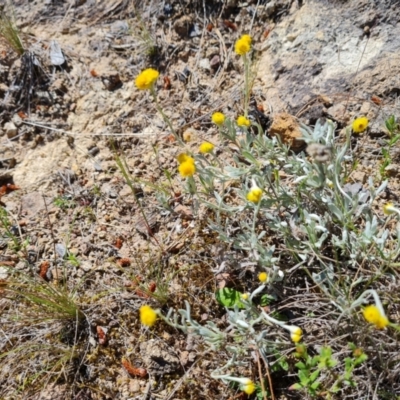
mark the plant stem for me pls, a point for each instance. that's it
(165, 118)
(246, 85)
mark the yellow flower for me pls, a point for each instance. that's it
(360, 124)
(187, 169)
(329, 183)
(373, 315)
(148, 316)
(146, 79)
(249, 387)
(254, 194)
(206, 147)
(243, 121)
(262, 277)
(218, 118)
(389, 208)
(296, 334)
(295, 338)
(243, 45)
(247, 38)
(182, 157)
(245, 296)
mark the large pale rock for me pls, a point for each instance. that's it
(344, 50)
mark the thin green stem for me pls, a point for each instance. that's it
(246, 85)
(165, 118)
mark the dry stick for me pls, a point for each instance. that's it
(52, 234)
(271, 388)
(261, 377)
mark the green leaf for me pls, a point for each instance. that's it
(266, 299)
(314, 375)
(314, 361)
(315, 385)
(229, 298)
(361, 359)
(296, 386)
(301, 365)
(303, 376)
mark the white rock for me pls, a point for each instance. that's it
(205, 64)
(3, 273)
(10, 129)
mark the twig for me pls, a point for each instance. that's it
(52, 233)
(269, 379)
(261, 376)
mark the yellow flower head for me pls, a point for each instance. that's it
(182, 157)
(360, 124)
(243, 121)
(388, 209)
(254, 195)
(249, 387)
(245, 296)
(262, 277)
(329, 183)
(243, 45)
(187, 169)
(247, 38)
(218, 118)
(295, 338)
(146, 79)
(373, 315)
(296, 334)
(206, 147)
(148, 316)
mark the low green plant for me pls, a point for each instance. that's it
(393, 128)
(322, 374)
(64, 202)
(46, 300)
(386, 161)
(10, 34)
(149, 43)
(72, 259)
(393, 131)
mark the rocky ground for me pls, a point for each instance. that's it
(69, 107)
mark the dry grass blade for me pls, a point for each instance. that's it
(49, 302)
(9, 34)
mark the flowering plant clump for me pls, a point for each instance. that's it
(148, 316)
(206, 147)
(307, 214)
(302, 220)
(360, 124)
(146, 79)
(243, 121)
(243, 45)
(218, 118)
